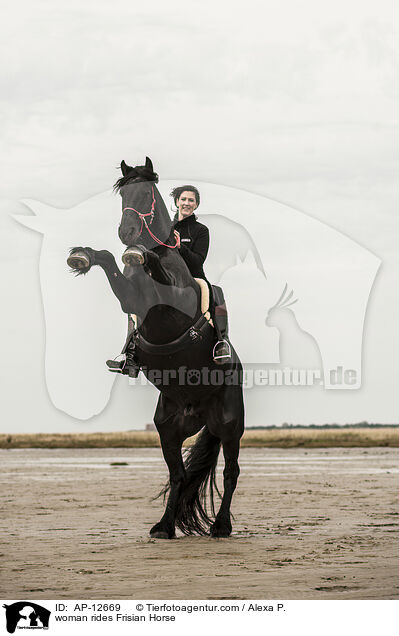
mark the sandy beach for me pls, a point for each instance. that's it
(309, 524)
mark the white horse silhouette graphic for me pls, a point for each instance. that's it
(331, 273)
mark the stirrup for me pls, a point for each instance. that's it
(226, 357)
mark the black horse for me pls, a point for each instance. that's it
(174, 344)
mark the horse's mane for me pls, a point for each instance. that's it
(137, 174)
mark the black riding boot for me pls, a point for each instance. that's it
(129, 366)
(222, 348)
(132, 365)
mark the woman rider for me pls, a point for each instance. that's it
(192, 238)
(193, 241)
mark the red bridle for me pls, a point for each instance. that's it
(144, 221)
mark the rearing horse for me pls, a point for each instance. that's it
(174, 344)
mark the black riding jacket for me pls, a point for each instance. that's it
(194, 243)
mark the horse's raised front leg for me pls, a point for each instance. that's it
(137, 255)
(82, 259)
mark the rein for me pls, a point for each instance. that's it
(143, 219)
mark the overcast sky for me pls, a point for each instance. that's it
(296, 101)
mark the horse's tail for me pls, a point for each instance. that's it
(200, 461)
(194, 513)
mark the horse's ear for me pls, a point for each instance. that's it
(125, 168)
(148, 164)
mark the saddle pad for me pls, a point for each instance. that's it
(204, 302)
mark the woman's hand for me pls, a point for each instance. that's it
(177, 238)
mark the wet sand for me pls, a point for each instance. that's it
(309, 524)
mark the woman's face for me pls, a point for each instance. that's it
(186, 204)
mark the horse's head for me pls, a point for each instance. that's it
(144, 214)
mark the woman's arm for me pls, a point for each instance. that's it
(197, 253)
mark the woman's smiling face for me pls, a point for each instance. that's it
(186, 204)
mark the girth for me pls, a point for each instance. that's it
(194, 334)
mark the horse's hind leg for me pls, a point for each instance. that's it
(166, 421)
(222, 524)
(172, 452)
(230, 434)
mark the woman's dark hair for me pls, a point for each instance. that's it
(177, 192)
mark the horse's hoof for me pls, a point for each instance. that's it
(133, 256)
(220, 534)
(160, 534)
(219, 531)
(78, 260)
